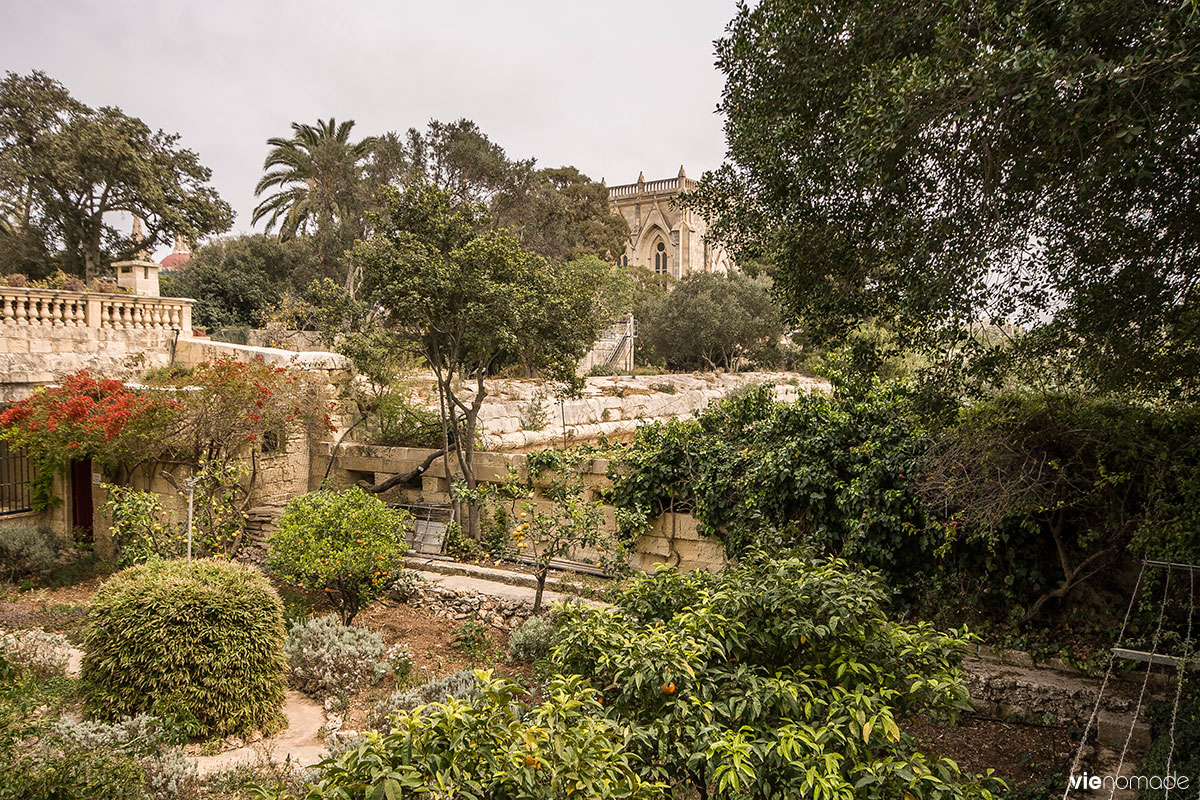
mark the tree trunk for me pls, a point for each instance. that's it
(541, 588)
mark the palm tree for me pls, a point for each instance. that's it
(317, 177)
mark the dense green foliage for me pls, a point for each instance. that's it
(66, 168)
(712, 321)
(348, 544)
(558, 213)
(1176, 736)
(1019, 508)
(938, 165)
(835, 471)
(201, 643)
(494, 746)
(778, 678)
(236, 281)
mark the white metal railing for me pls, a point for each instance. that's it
(50, 308)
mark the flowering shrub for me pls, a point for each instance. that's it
(144, 738)
(326, 657)
(46, 654)
(348, 544)
(399, 658)
(83, 418)
(208, 417)
(229, 405)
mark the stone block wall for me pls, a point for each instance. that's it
(33, 356)
(673, 539)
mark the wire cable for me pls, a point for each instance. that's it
(1112, 658)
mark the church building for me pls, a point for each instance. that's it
(663, 237)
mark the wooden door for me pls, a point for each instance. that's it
(81, 499)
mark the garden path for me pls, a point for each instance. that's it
(299, 741)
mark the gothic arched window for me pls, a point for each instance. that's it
(660, 258)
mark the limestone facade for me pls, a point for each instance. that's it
(664, 237)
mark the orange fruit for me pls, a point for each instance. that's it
(669, 687)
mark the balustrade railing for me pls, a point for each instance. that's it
(651, 187)
(49, 308)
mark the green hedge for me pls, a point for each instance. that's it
(200, 643)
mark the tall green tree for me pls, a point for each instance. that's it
(561, 214)
(236, 280)
(467, 296)
(558, 213)
(942, 167)
(712, 321)
(315, 185)
(66, 169)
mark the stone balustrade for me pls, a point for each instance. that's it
(672, 185)
(50, 308)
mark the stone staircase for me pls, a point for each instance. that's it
(260, 523)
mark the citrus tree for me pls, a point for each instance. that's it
(494, 745)
(349, 545)
(566, 520)
(781, 677)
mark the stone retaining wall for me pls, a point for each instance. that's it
(673, 539)
(459, 605)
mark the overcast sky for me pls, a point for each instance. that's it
(611, 87)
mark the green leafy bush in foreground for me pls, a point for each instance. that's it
(348, 544)
(775, 679)
(201, 643)
(778, 678)
(494, 746)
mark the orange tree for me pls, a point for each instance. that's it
(781, 677)
(348, 544)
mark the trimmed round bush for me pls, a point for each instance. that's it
(199, 643)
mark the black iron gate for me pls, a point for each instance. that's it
(16, 470)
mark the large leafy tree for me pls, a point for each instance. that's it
(236, 280)
(315, 184)
(65, 169)
(468, 296)
(558, 213)
(712, 321)
(940, 166)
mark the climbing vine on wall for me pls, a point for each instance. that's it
(835, 471)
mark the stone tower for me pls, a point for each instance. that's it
(663, 237)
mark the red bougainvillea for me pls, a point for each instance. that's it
(85, 417)
(217, 413)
